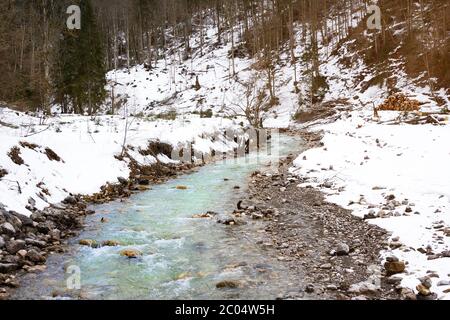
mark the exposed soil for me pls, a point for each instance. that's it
(14, 155)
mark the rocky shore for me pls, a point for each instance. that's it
(338, 253)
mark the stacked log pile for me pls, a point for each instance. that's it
(399, 102)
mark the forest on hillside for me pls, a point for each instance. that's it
(42, 63)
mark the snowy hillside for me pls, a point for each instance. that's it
(87, 149)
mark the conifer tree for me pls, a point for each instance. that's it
(79, 78)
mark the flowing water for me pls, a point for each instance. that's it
(183, 258)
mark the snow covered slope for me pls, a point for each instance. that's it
(86, 148)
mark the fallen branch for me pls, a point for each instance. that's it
(35, 133)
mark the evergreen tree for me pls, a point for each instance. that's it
(79, 78)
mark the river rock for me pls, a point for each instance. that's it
(431, 296)
(426, 282)
(228, 284)
(423, 290)
(131, 253)
(55, 234)
(394, 267)
(35, 256)
(392, 259)
(342, 249)
(88, 243)
(44, 227)
(309, 288)
(370, 215)
(447, 232)
(24, 220)
(38, 217)
(257, 216)
(363, 288)
(2, 242)
(8, 267)
(22, 253)
(8, 229)
(394, 280)
(443, 283)
(407, 294)
(110, 243)
(14, 246)
(332, 287)
(122, 180)
(326, 266)
(36, 243)
(143, 182)
(70, 200)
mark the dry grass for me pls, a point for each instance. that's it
(14, 155)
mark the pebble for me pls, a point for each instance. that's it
(70, 200)
(426, 282)
(443, 283)
(15, 246)
(394, 267)
(326, 266)
(394, 280)
(88, 243)
(110, 243)
(131, 253)
(8, 267)
(407, 294)
(7, 228)
(230, 284)
(423, 290)
(359, 298)
(22, 253)
(342, 249)
(35, 256)
(309, 288)
(332, 287)
(392, 259)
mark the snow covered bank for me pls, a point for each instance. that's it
(398, 176)
(87, 148)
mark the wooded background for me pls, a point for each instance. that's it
(42, 63)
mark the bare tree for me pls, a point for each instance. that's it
(251, 103)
